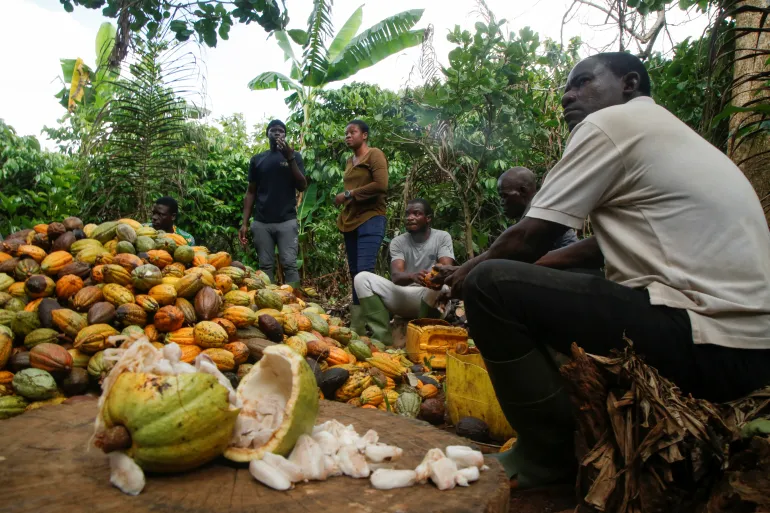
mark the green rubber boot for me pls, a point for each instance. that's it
(532, 397)
(357, 320)
(428, 312)
(377, 317)
(295, 285)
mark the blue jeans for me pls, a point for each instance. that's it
(362, 246)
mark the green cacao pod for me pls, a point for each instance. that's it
(125, 233)
(146, 277)
(12, 405)
(15, 305)
(143, 244)
(237, 298)
(26, 268)
(25, 323)
(41, 336)
(235, 274)
(408, 405)
(184, 254)
(319, 325)
(125, 247)
(269, 299)
(5, 282)
(7, 317)
(98, 367)
(166, 243)
(34, 384)
(360, 350)
(105, 232)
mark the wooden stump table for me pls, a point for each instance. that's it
(46, 466)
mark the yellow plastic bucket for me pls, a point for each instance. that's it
(430, 339)
(469, 393)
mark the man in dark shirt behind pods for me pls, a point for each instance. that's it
(275, 176)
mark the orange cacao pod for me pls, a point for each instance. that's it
(224, 360)
(182, 336)
(230, 328)
(219, 260)
(159, 258)
(50, 357)
(169, 318)
(127, 261)
(114, 273)
(152, 333)
(68, 286)
(240, 352)
(189, 353)
(55, 262)
(164, 294)
(86, 297)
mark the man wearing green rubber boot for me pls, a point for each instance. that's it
(412, 256)
(686, 250)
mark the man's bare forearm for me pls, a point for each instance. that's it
(300, 182)
(402, 278)
(248, 206)
(584, 254)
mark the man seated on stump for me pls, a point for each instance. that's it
(164, 214)
(687, 255)
(412, 255)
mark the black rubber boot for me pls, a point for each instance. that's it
(531, 395)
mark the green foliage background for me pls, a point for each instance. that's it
(496, 105)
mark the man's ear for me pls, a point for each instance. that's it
(631, 83)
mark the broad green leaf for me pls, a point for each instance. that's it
(283, 42)
(346, 33)
(67, 67)
(298, 36)
(272, 79)
(384, 39)
(309, 201)
(314, 61)
(105, 42)
(294, 74)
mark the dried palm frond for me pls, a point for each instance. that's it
(643, 446)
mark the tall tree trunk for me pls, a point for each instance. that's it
(752, 49)
(468, 229)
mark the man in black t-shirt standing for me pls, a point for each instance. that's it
(274, 177)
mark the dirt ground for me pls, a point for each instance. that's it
(555, 499)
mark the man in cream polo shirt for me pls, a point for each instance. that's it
(687, 255)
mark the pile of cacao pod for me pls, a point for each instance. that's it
(68, 291)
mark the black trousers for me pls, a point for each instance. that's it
(513, 307)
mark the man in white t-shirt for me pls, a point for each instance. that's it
(687, 254)
(412, 255)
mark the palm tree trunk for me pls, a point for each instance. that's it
(751, 152)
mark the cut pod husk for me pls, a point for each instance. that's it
(279, 403)
(167, 416)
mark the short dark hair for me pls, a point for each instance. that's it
(360, 124)
(425, 205)
(622, 63)
(170, 202)
(275, 122)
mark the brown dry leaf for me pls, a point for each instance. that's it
(649, 447)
